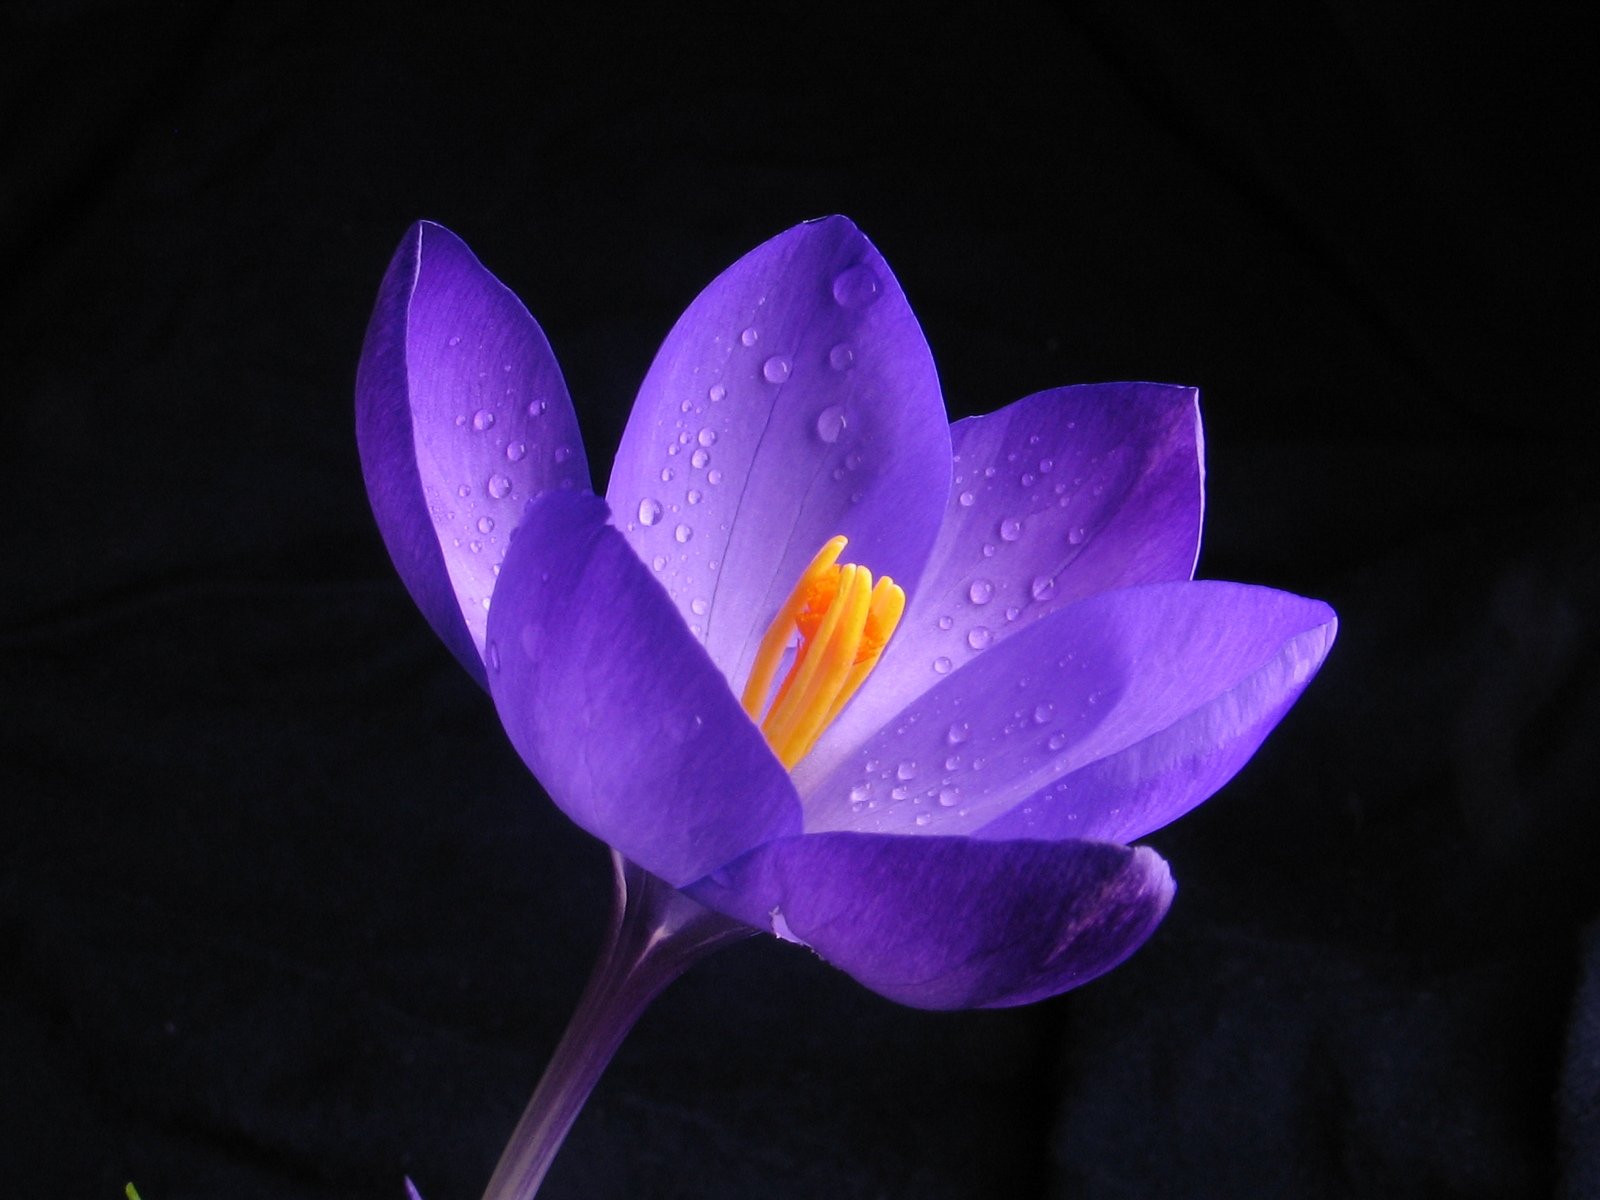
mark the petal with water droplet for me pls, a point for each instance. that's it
(788, 420)
(1139, 444)
(451, 365)
(1151, 697)
(950, 922)
(617, 709)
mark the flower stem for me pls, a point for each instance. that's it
(656, 933)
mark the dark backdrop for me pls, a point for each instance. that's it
(281, 915)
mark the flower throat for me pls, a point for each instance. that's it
(844, 621)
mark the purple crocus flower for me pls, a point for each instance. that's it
(931, 781)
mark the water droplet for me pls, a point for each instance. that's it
(1043, 713)
(981, 591)
(475, 546)
(482, 419)
(1028, 479)
(1044, 586)
(830, 423)
(666, 474)
(899, 791)
(966, 499)
(499, 487)
(563, 453)
(717, 392)
(948, 797)
(516, 451)
(958, 733)
(852, 461)
(683, 533)
(979, 637)
(535, 407)
(714, 476)
(1046, 465)
(1010, 529)
(694, 496)
(698, 606)
(485, 524)
(706, 437)
(649, 511)
(1057, 740)
(906, 770)
(748, 337)
(860, 792)
(942, 665)
(699, 458)
(842, 357)
(456, 341)
(923, 819)
(494, 656)
(945, 622)
(659, 562)
(856, 287)
(463, 491)
(776, 369)
(1075, 535)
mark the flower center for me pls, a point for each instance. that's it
(844, 621)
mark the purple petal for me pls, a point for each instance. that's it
(1061, 495)
(461, 416)
(616, 707)
(951, 922)
(1104, 720)
(794, 400)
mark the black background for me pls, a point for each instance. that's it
(282, 915)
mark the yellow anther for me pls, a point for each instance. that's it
(843, 621)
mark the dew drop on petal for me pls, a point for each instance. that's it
(499, 487)
(1057, 740)
(958, 733)
(749, 337)
(698, 606)
(842, 357)
(899, 791)
(535, 407)
(485, 524)
(1044, 586)
(942, 665)
(456, 340)
(482, 419)
(946, 621)
(1075, 535)
(923, 819)
(713, 476)
(906, 770)
(966, 499)
(717, 392)
(1010, 529)
(666, 474)
(981, 591)
(856, 287)
(694, 496)
(464, 491)
(1043, 713)
(649, 511)
(948, 797)
(831, 423)
(979, 637)
(707, 437)
(659, 562)
(563, 453)
(682, 533)
(859, 792)
(776, 369)
(699, 458)
(494, 656)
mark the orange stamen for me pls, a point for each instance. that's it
(844, 622)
